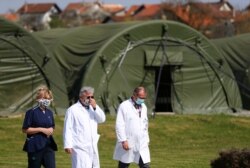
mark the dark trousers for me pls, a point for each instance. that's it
(45, 157)
(126, 165)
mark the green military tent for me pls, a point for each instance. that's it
(24, 65)
(236, 51)
(181, 69)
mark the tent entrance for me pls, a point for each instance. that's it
(164, 82)
(164, 63)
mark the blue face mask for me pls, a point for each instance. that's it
(139, 101)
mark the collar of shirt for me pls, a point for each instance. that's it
(138, 107)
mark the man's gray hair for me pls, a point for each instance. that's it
(87, 89)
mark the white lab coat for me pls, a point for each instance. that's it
(130, 127)
(80, 133)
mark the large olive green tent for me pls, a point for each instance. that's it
(236, 52)
(182, 71)
(24, 65)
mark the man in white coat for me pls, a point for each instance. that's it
(132, 131)
(80, 130)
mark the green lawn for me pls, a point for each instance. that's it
(177, 141)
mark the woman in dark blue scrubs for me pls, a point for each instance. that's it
(39, 126)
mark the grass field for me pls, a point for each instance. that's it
(177, 141)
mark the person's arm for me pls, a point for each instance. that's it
(32, 130)
(98, 112)
(147, 123)
(120, 128)
(99, 115)
(27, 125)
(67, 132)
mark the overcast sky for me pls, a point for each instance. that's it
(7, 5)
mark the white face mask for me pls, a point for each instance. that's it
(86, 102)
(44, 102)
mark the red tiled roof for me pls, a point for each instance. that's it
(149, 10)
(193, 14)
(113, 8)
(132, 10)
(143, 11)
(75, 6)
(82, 7)
(35, 8)
(178, 10)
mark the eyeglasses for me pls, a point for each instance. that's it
(92, 97)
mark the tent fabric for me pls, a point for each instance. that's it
(174, 58)
(236, 51)
(74, 48)
(24, 66)
(115, 58)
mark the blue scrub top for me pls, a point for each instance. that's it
(36, 118)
